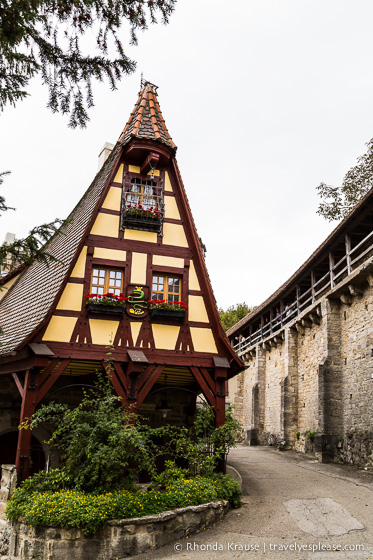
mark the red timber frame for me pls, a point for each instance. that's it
(132, 380)
(35, 385)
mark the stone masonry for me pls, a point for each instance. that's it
(310, 385)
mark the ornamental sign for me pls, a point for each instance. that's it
(137, 302)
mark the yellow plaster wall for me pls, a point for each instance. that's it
(197, 309)
(134, 168)
(171, 209)
(193, 280)
(103, 331)
(173, 234)
(60, 329)
(119, 176)
(167, 182)
(160, 260)
(135, 329)
(5, 288)
(71, 298)
(113, 199)
(165, 336)
(106, 225)
(203, 340)
(111, 254)
(138, 268)
(79, 268)
(137, 235)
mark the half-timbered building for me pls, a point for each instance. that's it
(131, 236)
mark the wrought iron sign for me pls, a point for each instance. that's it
(137, 302)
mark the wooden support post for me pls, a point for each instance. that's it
(348, 251)
(33, 392)
(331, 269)
(24, 436)
(313, 289)
(297, 288)
(220, 379)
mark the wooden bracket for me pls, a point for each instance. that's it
(150, 163)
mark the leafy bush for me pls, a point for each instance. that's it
(99, 444)
(89, 511)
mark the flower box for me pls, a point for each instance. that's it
(178, 315)
(145, 223)
(105, 309)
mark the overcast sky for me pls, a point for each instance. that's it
(264, 99)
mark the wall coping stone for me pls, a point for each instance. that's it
(117, 539)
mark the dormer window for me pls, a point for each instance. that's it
(143, 206)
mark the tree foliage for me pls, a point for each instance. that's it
(47, 37)
(233, 314)
(98, 442)
(339, 201)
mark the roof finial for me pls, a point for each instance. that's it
(143, 83)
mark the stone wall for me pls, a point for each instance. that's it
(310, 385)
(118, 539)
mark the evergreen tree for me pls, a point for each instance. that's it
(45, 37)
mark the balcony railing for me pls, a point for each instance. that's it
(143, 205)
(337, 272)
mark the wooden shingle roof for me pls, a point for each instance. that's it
(29, 300)
(146, 120)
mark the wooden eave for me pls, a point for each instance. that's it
(361, 210)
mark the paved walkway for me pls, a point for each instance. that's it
(293, 508)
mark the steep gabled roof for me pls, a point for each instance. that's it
(146, 120)
(29, 300)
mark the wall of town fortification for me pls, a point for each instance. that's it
(309, 386)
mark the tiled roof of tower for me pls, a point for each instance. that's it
(146, 120)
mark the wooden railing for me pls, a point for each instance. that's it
(336, 273)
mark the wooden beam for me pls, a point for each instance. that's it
(112, 374)
(24, 436)
(331, 267)
(46, 373)
(208, 378)
(18, 383)
(348, 251)
(145, 389)
(313, 282)
(141, 380)
(210, 395)
(23, 365)
(42, 391)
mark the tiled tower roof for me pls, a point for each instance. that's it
(146, 120)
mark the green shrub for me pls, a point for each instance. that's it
(73, 508)
(311, 436)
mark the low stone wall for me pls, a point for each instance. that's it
(118, 539)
